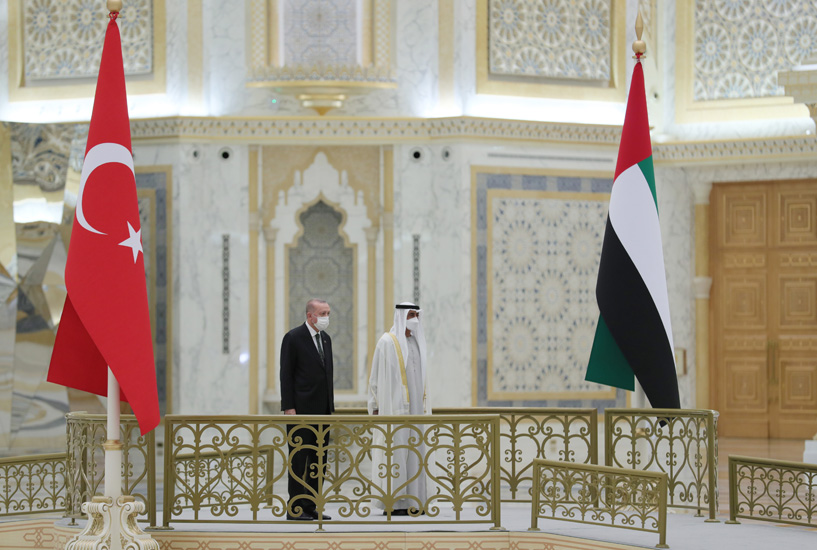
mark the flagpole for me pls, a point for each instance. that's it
(112, 445)
(112, 518)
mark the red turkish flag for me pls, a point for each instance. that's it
(105, 321)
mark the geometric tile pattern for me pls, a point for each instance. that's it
(62, 38)
(321, 265)
(562, 39)
(741, 45)
(153, 191)
(537, 250)
(545, 255)
(320, 32)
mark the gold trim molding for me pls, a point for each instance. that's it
(367, 130)
(343, 130)
(753, 150)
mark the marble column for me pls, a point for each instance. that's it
(702, 285)
(254, 229)
(271, 392)
(801, 84)
(388, 237)
(371, 298)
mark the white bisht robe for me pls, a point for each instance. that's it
(396, 389)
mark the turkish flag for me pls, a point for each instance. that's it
(105, 321)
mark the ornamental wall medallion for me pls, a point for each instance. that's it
(63, 39)
(551, 38)
(741, 45)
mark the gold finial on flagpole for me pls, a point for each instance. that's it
(639, 46)
(114, 6)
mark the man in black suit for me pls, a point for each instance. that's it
(306, 388)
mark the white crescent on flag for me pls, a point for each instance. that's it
(103, 153)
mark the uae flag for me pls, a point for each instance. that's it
(634, 336)
(105, 321)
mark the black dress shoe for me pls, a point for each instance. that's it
(324, 517)
(415, 512)
(303, 517)
(399, 512)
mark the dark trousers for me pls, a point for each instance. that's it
(304, 464)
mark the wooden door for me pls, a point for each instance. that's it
(764, 308)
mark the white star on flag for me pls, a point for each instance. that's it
(134, 241)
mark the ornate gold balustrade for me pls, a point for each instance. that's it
(602, 495)
(681, 443)
(235, 469)
(566, 434)
(230, 468)
(86, 462)
(32, 484)
(772, 490)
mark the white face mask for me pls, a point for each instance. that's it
(413, 324)
(321, 323)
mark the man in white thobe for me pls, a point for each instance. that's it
(398, 386)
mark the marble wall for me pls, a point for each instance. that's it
(432, 197)
(209, 204)
(436, 197)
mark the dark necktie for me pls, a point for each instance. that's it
(320, 347)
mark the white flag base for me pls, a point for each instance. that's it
(112, 526)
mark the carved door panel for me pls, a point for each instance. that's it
(741, 307)
(793, 399)
(764, 308)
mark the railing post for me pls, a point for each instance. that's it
(169, 475)
(663, 487)
(512, 474)
(594, 437)
(270, 474)
(534, 507)
(733, 492)
(496, 492)
(151, 466)
(320, 499)
(712, 460)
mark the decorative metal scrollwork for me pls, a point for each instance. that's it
(86, 462)
(772, 490)
(32, 484)
(617, 497)
(236, 469)
(681, 443)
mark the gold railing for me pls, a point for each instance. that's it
(32, 484)
(457, 455)
(616, 497)
(229, 469)
(681, 443)
(772, 490)
(565, 434)
(86, 462)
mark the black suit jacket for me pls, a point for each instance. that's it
(306, 383)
